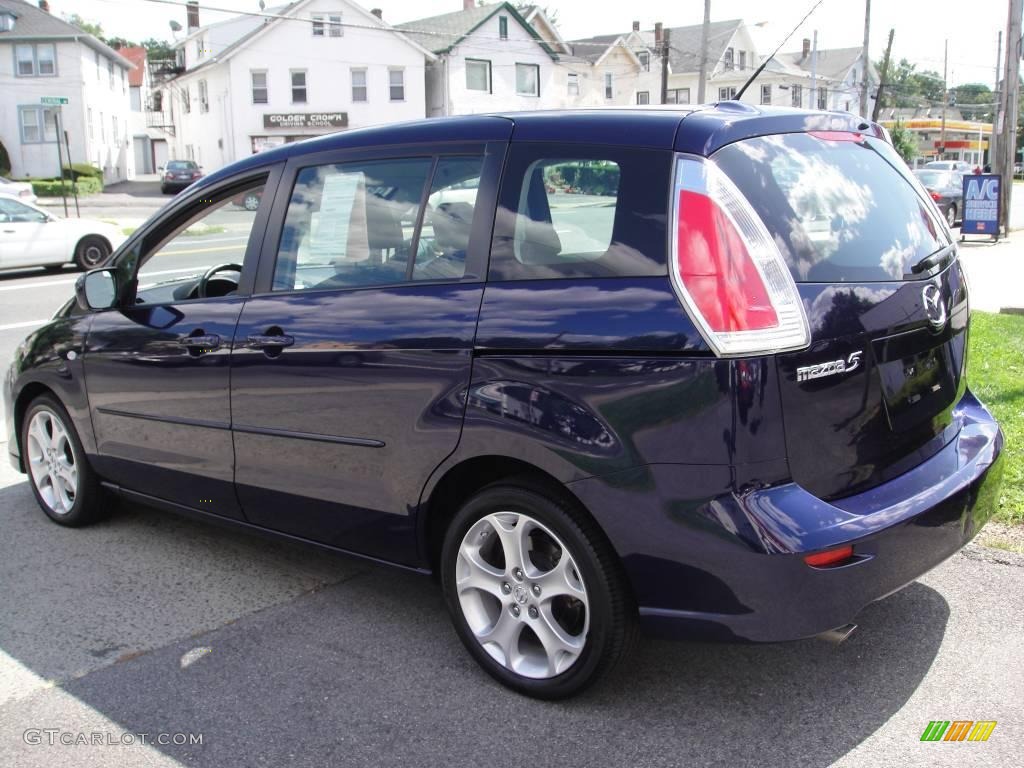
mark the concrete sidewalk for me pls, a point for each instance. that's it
(995, 272)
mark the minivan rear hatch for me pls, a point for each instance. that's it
(886, 303)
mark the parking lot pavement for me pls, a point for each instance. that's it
(995, 271)
(310, 659)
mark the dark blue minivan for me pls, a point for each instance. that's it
(697, 371)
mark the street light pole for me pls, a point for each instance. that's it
(865, 60)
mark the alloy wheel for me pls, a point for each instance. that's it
(522, 595)
(52, 461)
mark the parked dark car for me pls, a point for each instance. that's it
(178, 174)
(946, 189)
(718, 390)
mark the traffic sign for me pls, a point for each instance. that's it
(53, 100)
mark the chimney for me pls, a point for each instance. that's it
(468, 4)
(636, 26)
(657, 35)
(378, 13)
(192, 15)
(806, 48)
(44, 6)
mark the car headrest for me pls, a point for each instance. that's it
(452, 226)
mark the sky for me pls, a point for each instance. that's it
(921, 26)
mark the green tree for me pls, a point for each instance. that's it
(975, 101)
(904, 142)
(907, 87)
(89, 27)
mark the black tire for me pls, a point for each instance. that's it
(92, 251)
(611, 609)
(88, 496)
(251, 202)
(951, 215)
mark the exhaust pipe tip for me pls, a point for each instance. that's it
(839, 634)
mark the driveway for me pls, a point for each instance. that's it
(278, 655)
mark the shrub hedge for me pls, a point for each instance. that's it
(87, 185)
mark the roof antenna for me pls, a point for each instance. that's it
(760, 69)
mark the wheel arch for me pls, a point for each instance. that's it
(461, 481)
(28, 393)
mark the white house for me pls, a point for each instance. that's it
(312, 67)
(488, 58)
(44, 57)
(615, 69)
(149, 138)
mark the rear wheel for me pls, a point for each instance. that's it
(91, 252)
(251, 201)
(951, 214)
(535, 593)
(62, 480)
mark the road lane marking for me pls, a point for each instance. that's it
(71, 281)
(26, 324)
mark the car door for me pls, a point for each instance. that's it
(353, 357)
(157, 366)
(29, 237)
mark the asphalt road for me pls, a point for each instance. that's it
(279, 655)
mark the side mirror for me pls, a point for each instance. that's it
(96, 289)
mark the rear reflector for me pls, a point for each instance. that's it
(829, 557)
(727, 270)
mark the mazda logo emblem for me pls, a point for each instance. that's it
(931, 297)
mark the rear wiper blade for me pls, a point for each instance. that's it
(933, 259)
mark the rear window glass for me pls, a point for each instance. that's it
(840, 211)
(576, 211)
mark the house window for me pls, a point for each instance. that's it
(38, 125)
(528, 79)
(743, 59)
(503, 27)
(609, 85)
(88, 123)
(396, 84)
(334, 25)
(186, 99)
(478, 75)
(727, 94)
(643, 97)
(798, 95)
(260, 92)
(204, 102)
(110, 72)
(38, 60)
(318, 25)
(677, 96)
(359, 91)
(299, 87)
(574, 84)
(766, 94)
(103, 130)
(645, 60)
(99, 67)
(823, 98)
(730, 57)
(124, 84)
(113, 129)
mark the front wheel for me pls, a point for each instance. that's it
(91, 252)
(536, 594)
(62, 480)
(951, 215)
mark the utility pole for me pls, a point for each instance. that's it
(865, 59)
(814, 72)
(883, 77)
(1008, 113)
(703, 73)
(993, 152)
(945, 98)
(665, 48)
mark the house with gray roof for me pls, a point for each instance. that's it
(45, 59)
(490, 58)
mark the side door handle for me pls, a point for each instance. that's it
(198, 342)
(274, 340)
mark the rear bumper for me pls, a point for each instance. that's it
(736, 569)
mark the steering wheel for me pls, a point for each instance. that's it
(208, 275)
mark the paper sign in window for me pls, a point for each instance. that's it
(338, 231)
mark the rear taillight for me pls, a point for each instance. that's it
(935, 196)
(728, 271)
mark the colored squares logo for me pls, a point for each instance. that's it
(958, 730)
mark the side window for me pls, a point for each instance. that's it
(581, 213)
(351, 224)
(448, 221)
(217, 235)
